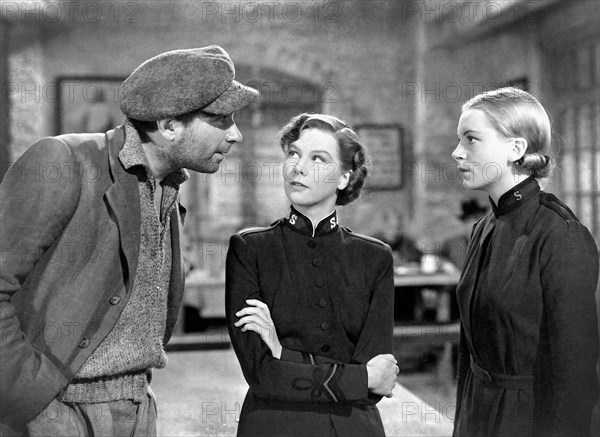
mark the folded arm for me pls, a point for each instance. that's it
(298, 376)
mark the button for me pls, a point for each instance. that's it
(158, 287)
(317, 262)
(323, 303)
(325, 348)
(325, 326)
(114, 300)
(319, 282)
(84, 343)
(311, 244)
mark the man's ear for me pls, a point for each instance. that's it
(517, 150)
(168, 128)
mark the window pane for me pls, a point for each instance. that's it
(596, 226)
(568, 173)
(586, 211)
(584, 66)
(568, 132)
(596, 146)
(569, 199)
(585, 171)
(595, 170)
(596, 62)
(584, 136)
(596, 126)
(584, 127)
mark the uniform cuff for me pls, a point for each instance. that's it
(355, 382)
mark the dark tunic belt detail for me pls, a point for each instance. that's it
(499, 380)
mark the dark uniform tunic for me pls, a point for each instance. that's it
(330, 294)
(529, 334)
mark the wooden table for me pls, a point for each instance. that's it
(444, 331)
(441, 283)
(426, 280)
(208, 294)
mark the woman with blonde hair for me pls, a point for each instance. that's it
(529, 329)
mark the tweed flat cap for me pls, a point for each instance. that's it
(181, 81)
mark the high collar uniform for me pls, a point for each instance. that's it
(330, 294)
(529, 336)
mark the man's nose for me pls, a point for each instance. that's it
(233, 134)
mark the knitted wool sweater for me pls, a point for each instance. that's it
(118, 368)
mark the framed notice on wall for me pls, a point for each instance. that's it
(385, 145)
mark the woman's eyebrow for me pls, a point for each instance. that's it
(470, 131)
(322, 152)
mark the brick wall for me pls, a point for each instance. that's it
(407, 63)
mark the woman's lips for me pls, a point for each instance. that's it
(297, 184)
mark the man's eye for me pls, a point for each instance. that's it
(223, 119)
(318, 158)
(292, 153)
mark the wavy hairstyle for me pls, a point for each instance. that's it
(353, 154)
(515, 113)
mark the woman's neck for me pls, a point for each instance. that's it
(498, 190)
(315, 214)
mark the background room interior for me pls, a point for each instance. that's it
(397, 71)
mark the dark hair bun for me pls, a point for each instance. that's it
(357, 179)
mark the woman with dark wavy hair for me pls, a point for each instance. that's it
(529, 329)
(309, 303)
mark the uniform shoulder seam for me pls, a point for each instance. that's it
(551, 202)
(257, 229)
(364, 237)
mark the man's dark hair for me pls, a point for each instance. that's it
(145, 127)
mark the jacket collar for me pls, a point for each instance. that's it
(304, 225)
(123, 198)
(132, 156)
(515, 197)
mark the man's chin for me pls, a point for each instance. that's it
(205, 167)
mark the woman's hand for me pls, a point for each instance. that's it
(382, 371)
(257, 318)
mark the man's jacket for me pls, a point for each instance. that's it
(70, 238)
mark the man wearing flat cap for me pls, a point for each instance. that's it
(91, 276)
